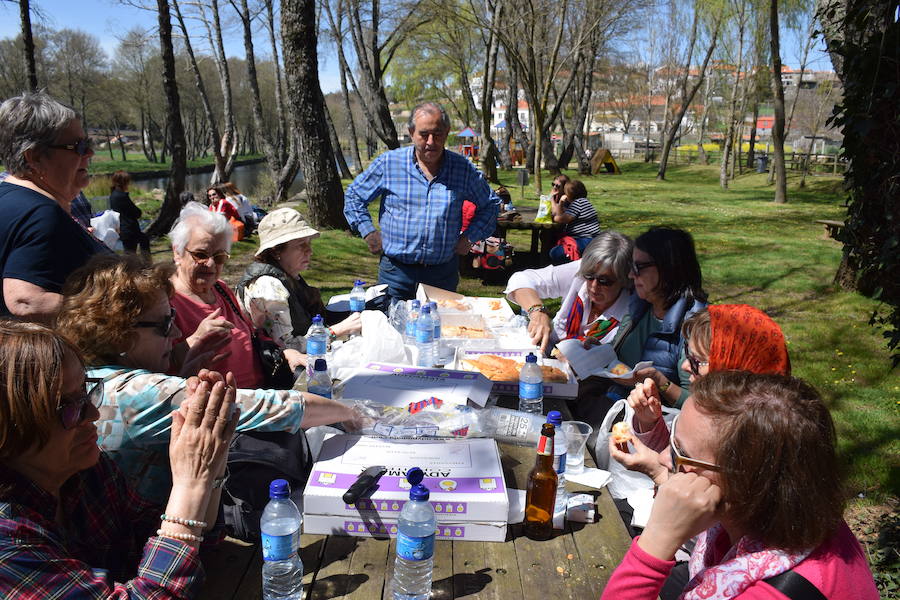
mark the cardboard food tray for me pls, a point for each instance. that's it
(465, 478)
(569, 389)
(476, 321)
(495, 310)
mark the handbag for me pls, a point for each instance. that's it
(276, 370)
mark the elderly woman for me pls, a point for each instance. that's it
(45, 150)
(595, 292)
(753, 470)
(70, 526)
(579, 216)
(117, 312)
(129, 214)
(205, 309)
(272, 290)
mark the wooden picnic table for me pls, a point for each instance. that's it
(576, 563)
(543, 235)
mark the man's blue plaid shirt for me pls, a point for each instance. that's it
(420, 219)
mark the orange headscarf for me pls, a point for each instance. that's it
(747, 339)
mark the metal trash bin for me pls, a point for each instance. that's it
(762, 163)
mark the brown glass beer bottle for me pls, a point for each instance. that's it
(540, 495)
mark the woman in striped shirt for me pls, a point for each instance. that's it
(580, 218)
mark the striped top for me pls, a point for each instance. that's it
(586, 223)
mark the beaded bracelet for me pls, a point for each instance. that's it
(185, 522)
(184, 537)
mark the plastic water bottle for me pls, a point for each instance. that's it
(282, 572)
(358, 296)
(531, 386)
(316, 342)
(412, 315)
(439, 359)
(320, 382)
(425, 337)
(560, 449)
(415, 543)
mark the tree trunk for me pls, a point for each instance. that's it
(171, 206)
(325, 195)
(336, 144)
(778, 90)
(489, 153)
(28, 43)
(228, 147)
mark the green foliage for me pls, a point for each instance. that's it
(870, 118)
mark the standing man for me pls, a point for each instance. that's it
(422, 189)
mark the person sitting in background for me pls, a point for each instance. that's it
(579, 216)
(219, 202)
(185, 197)
(129, 214)
(70, 525)
(753, 470)
(272, 290)
(244, 208)
(596, 292)
(46, 151)
(81, 211)
(117, 312)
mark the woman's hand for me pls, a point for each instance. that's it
(349, 326)
(642, 460)
(539, 325)
(684, 506)
(205, 353)
(647, 404)
(295, 358)
(213, 325)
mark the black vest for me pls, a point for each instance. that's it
(304, 300)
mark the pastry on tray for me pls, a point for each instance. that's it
(462, 331)
(497, 368)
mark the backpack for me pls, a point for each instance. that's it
(254, 460)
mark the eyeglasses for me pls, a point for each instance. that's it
(695, 363)
(600, 279)
(679, 459)
(556, 185)
(637, 267)
(81, 147)
(162, 328)
(71, 410)
(199, 256)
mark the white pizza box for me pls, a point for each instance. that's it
(496, 311)
(569, 389)
(400, 385)
(465, 479)
(472, 321)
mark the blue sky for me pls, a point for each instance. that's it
(107, 19)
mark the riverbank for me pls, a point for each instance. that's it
(140, 168)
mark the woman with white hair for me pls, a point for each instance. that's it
(205, 308)
(45, 150)
(595, 292)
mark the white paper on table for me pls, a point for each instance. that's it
(596, 360)
(372, 292)
(590, 477)
(516, 505)
(641, 501)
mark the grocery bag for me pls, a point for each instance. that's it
(544, 213)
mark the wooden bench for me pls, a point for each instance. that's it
(832, 228)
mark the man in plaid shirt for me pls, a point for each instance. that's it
(422, 189)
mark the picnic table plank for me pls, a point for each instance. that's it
(329, 577)
(442, 576)
(225, 566)
(369, 567)
(487, 571)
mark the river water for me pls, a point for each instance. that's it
(245, 177)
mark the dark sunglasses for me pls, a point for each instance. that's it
(695, 363)
(162, 328)
(81, 147)
(71, 410)
(199, 256)
(600, 279)
(679, 459)
(556, 185)
(637, 267)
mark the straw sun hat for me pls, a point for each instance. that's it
(280, 226)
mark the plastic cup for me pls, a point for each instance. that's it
(577, 434)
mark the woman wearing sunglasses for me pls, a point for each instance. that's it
(579, 216)
(752, 469)
(70, 525)
(595, 292)
(45, 150)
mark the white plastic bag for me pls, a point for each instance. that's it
(106, 229)
(379, 342)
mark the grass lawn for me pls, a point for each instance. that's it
(751, 251)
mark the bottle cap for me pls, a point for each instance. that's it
(415, 304)
(432, 304)
(359, 282)
(554, 417)
(531, 358)
(418, 491)
(426, 310)
(279, 488)
(317, 320)
(320, 365)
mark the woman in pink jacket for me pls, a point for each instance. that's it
(754, 472)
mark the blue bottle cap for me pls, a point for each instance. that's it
(416, 304)
(317, 319)
(359, 282)
(554, 417)
(418, 491)
(415, 475)
(320, 365)
(426, 310)
(531, 358)
(279, 488)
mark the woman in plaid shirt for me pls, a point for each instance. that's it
(70, 527)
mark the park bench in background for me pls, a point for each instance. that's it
(832, 228)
